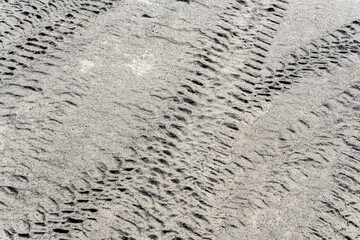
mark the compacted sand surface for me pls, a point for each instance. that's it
(181, 119)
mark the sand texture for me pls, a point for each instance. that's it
(180, 119)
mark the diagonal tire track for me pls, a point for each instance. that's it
(179, 160)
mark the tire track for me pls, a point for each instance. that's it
(31, 28)
(210, 156)
(260, 201)
(52, 220)
(169, 181)
(307, 188)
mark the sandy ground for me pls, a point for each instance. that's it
(187, 119)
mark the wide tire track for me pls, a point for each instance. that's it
(165, 146)
(185, 158)
(253, 197)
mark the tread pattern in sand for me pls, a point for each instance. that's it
(175, 174)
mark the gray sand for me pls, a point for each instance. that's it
(199, 119)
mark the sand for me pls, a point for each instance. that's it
(197, 119)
